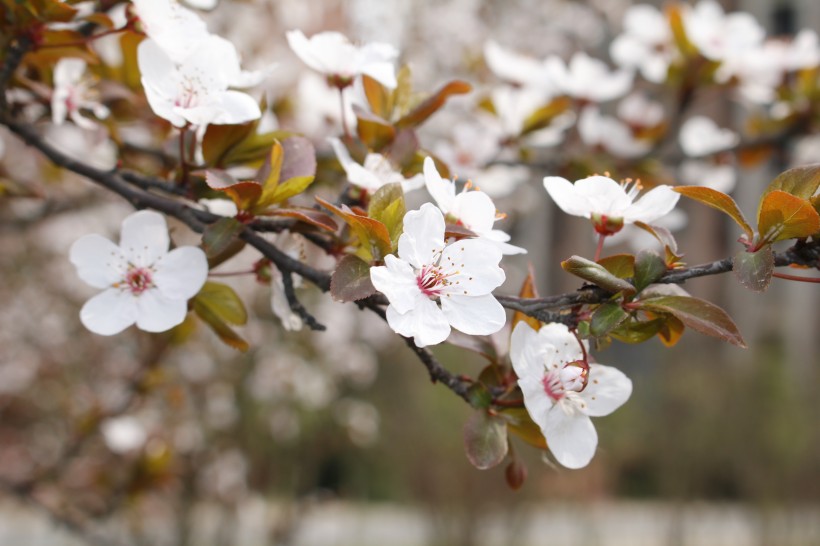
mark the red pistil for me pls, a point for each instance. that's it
(138, 279)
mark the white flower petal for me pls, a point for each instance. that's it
(144, 238)
(607, 390)
(423, 235)
(99, 262)
(571, 437)
(398, 282)
(567, 348)
(235, 108)
(425, 323)
(156, 313)
(528, 353)
(604, 195)
(443, 191)
(475, 210)
(109, 312)
(382, 72)
(652, 205)
(474, 315)
(563, 193)
(472, 267)
(180, 274)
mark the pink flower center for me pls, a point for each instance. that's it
(139, 279)
(188, 95)
(431, 281)
(571, 378)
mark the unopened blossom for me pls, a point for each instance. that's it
(587, 78)
(472, 209)
(72, 94)
(433, 286)
(142, 282)
(376, 171)
(562, 390)
(646, 43)
(608, 204)
(196, 90)
(332, 54)
(701, 136)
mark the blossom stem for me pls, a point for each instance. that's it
(508, 403)
(581, 343)
(600, 247)
(795, 278)
(231, 273)
(183, 163)
(342, 116)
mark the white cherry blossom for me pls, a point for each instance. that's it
(609, 204)
(472, 209)
(588, 78)
(177, 30)
(433, 286)
(143, 283)
(718, 176)
(332, 54)
(72, 94)
(720, 36)
(611, 134)
(376, 171)
(195, 90)
(646, 43)
(517, 68)
(562, 391)
(701, 136)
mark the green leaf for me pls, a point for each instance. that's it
(719, 201)
(269, 174)
(620, 265)
(479, 397)
(754, 269)
(664, 237)
(597, 274)
(220, 236)
(219, 140)
(649, 267)
(374, 131)
(350, 280)
(700, 315)
(378, 97)
(387, 206)
(430, 106)
(606, 318)
(783, 216)
(289, 188)
(801, 181)
(218, 305)
(635, 331)
(485, 440)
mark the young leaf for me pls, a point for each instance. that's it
(220, 235)
(597, 274)
(700, 315)
(664, 237)
(479, 397)
(606, 318)
(783, 216)
(521, 424)
(374, 239)
(430, 106)
(801, 181)
(649, 267)
(620, 265)
(373, 130)
(351, 280)
(754, 269)
(269, 174)
(671, 330)
(528, 290)
(635, 331)
(220, 139)
(217, 304)
(378, 97)
(308, 216)
(299, 159)
(719, 201)
(387, 206)
(243, 193)
(485, 440)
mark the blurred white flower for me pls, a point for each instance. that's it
(177, 30)
(720, 177)
(143, 283)
(700, 136)
(610, 134)
(640, 111)
(472, 209)
(609, 204)
(646, 42)
(518, 69)
(332, 54)
(123, 434)
(718, 36)
(376, 172)
(562, 391)
(195, 89)
(460, 277)
(588, 78)
(72, 94)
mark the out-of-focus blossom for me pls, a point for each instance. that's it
(700, 136)
(472, 209)
(587, 78)
(518, 69)
(143, 283)
(609, 133)
(123, 434)
(640, 111)
(514, 107)
(72, 94)
(376, 171)
(720, 36)
(195, 90)
(433, 287)
(332, 54)
(92, 147)
(562, 391)
(609, 204)
(696, 172)
(646, 43)
(177, 30)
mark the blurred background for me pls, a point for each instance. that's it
(338, 437)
